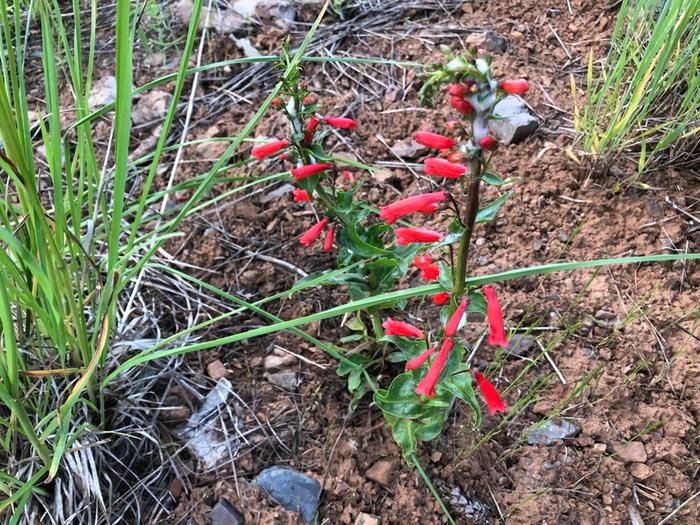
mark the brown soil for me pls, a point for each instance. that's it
(624, 338)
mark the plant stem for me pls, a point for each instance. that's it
(433, 490)
(472, 209)
(376, 324)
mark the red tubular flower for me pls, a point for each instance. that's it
(311, 126)
(310, 236)
(275, 102)
(403, 207)
(454, 320)
(434, 140)
(488, 142)
(493, 399)
(300, 195)
(430, 272)
(515, 86)
(461, 105)
(497, 334)
(310, 169)
(411, 235)
(328, 244)
(392, 327)
(443, 168)
(441, 298)
(457, 90)
(340, 122)
(265, 150)
(430, 208)
(416, 362)
(348, 176)
(427, 385)
(421, 261)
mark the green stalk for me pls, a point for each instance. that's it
(433, 490)
(472, 210)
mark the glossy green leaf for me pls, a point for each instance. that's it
(401, 399)
(492, 179)
(489, 212)
(460, 385)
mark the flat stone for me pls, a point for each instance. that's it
(291, 489)
(641, 471)
(516, 122)
(381, 472)
(278, 362)
(286, 380)
(366, 519)
(520, 344)
(633, 452)
(551, 432)
(224, 513)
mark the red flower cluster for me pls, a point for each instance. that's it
(429, 271)
(458, 93)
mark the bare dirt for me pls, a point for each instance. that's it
(623, 341)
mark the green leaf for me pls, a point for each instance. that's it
(401, 399)
(354, 380)
(477, 303)
(491, 178)
(409, 347)
(489, 212)
(357, 396)
(352, 338)
(445, 277)
(355, 323)
(459, 385)
(404, 432)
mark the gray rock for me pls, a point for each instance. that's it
(103, 92)
(277, 193)
(551, 432)
(286, 380)
(516, 124)
(489, 40)
(151, 107)
(224, 513)
(520, 344)
(472, 509)
(203, 441)
(406, 150)
(293, 490)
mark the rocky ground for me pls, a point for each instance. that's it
(602, 379)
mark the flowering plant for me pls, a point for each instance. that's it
(375, 254)
(417, 402)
